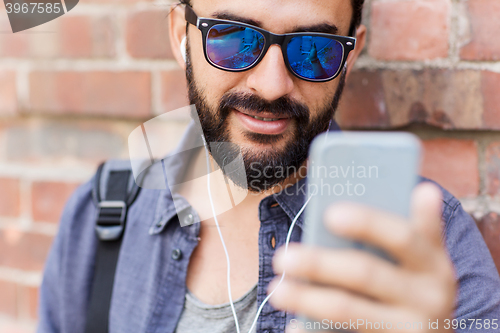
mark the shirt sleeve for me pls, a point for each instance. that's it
(478, 280)
(66, 278)
(49, 301)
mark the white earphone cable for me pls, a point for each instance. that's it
(282, 275)
(225, 249)
(221, 238)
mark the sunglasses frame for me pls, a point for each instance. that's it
(205, 24)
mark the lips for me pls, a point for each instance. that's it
(262, 123)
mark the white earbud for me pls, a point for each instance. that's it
(183, 48)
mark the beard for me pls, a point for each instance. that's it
(267, 168)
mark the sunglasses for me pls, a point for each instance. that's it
(236, 47)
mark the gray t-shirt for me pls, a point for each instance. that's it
(199, 317)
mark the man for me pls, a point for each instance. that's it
(172, 278)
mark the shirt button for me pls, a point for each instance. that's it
(188, 219)
(176, 254)
(273, 242)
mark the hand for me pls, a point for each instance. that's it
(339, 285)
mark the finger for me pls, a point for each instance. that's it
(426, 211)
(321, 303)
(357, 271)
(389, 232)
(426, 215)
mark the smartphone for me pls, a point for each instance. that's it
(378, 169)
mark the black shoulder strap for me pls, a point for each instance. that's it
(120, 192)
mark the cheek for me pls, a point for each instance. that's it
(211, 81)
(317, 95)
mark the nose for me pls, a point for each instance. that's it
(271, 78)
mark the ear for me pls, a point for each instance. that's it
(360, 44)
(177, 31)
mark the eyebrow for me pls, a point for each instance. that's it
(326, 28)
(234, 17)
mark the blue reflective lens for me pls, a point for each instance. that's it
(234, 47)
(315, 58)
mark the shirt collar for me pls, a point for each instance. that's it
(172, 168)
(292, 199)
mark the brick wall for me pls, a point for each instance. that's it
(431, 67)
(73, 89)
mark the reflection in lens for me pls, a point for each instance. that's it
(315, 57)
(234, 47)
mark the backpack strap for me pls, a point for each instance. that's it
(113, 192)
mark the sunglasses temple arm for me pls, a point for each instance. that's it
(191, 16)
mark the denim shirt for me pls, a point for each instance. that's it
(150, 281)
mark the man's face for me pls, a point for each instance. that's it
(295, 110)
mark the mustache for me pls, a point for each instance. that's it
(284, 106)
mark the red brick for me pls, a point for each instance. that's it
(85, 36)
(48, 200)
(453, 98)
(8, 298)
(70, 36)
(10, 197)
(490, 89)
(123, 94)
(409, 30)
(28, 301)
(174, 90)
(147, 35)
(453, 164)
(493, 169)
(8, 93)
(484, 24)
(32, 298)
(77, 140)
(104, 36)
(12, 45)
(23, 250)
(363, 102)
(489, 226)
(76, 36)
(441, 98)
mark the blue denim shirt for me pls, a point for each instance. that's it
(150, 282)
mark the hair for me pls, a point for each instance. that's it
(357, 13)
